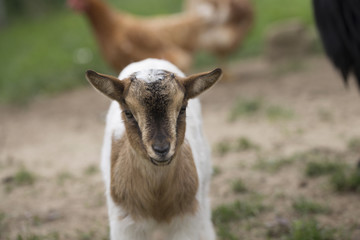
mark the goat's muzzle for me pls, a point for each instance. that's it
(164, 162)
(161, 149)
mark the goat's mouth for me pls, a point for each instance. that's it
(164, 162)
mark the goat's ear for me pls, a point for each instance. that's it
(106, 84)
(198, 83)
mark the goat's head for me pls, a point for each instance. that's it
(153, 107)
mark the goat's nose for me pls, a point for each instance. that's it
(161, 149)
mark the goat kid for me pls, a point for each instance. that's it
(155, 160)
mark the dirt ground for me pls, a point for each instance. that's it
(58, 140)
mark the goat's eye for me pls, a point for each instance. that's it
(182, 110)
(129, 115)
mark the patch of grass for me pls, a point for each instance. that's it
(274, 165)
(90, 235)
(244, 144)
(255, 107)
(51, 236)
(64, 176)
(45, 68)
(24, 177)
(239, 186)
(310, 230)
(216, 171)
(279, 113)
(316, 168)
(241, 144)
(319, 162)
(325, 115)
(91, 170)
(304, 206)
(224, 233)
(245, 107)
(346, 181)
(291, 66)
(354, 144)
(3, 225)
(223, 147)
(148, 7)
(321, 155)
(236, 211)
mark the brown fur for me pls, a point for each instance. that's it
(155, 108)
(145, 184)
(149, 191)
(198, 83)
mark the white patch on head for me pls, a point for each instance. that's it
(150, 63)
(150, 75)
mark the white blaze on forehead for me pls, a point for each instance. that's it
(148, 64)
(151, 75)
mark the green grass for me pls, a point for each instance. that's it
(3, 224)
(317, 168)
(245, 144)
(274, 165)
(91, 170)
(39, 56)
(291, 66)
(270, 12)
(42, 55)
(310, 230)
(86, 235)
(346, 181)
(225, 215)
(267, 13)
(304, 206)
(238, 186)
(216, 171)
(148, 7)
(64, 176)
(236, 211)
(354, 144)
(245, 107)
(223, 147)
(239, 145)
(224, 233)
(51, 236)
(24, 177)
(257, 107)
(276, 112)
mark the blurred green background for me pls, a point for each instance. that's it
(45, 47)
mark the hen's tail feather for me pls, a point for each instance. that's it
(338, 22)
(357, 74)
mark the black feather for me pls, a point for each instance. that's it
(338, 22)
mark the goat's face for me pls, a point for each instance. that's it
(154, 114)
(154, 108)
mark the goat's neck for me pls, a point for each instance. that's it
(145, 190)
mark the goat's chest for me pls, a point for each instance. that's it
(155, 197)
(142, 198)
